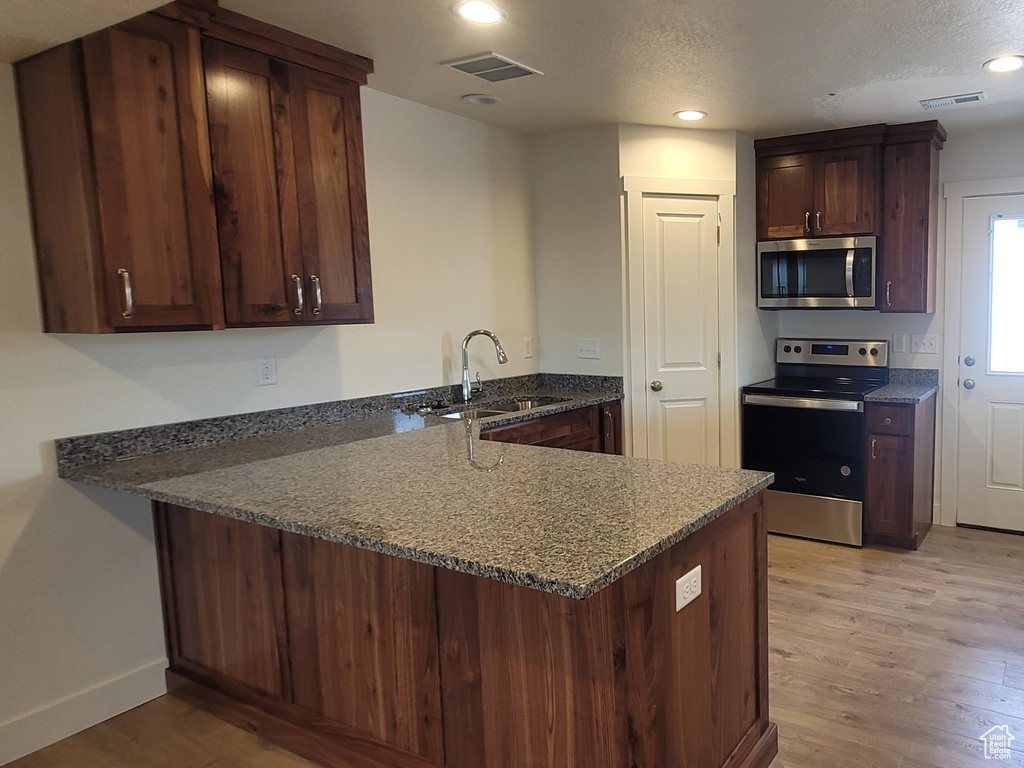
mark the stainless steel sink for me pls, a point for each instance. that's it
(506, 406)
(475, 413)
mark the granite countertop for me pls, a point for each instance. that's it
(428, 489)
(907, 385)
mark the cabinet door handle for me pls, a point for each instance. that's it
(888, 293)
(318, 296)
(817, 220)
(807, 222)
(873, 441)
(299, 300)
(887, 421)
(126, 285)
(607, 423)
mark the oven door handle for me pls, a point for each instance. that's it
(849, 273)
(852, 406)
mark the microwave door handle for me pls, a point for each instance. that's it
(849, 273)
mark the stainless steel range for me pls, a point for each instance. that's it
(807, 426)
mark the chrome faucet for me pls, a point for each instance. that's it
(469, 387)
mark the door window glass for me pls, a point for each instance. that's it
(1007, 321)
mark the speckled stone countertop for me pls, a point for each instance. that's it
(907, 385)
(428, 489)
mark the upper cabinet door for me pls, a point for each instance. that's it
(251, 105)
(847, 191)
(785, 196)
(332, 197)
(152, 173)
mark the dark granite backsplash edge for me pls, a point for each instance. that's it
(86, 450)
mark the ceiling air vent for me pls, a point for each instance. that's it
(953, 101)
(492, 67)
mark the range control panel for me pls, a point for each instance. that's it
(832, 352)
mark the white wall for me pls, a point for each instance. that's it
(576, 241)
(81, 636)
(968, 156)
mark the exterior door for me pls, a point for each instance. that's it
(680, 248)
(151, 158)
(991, 428)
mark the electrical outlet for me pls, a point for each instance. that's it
(266, 371)
(527, 347)
(924, 345)
(688, 588)
(899, 342)
(588, 349)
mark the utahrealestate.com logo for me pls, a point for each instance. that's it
(997, 742)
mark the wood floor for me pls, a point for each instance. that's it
(879, 659)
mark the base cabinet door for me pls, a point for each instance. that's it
(597, 429)
(890, 468)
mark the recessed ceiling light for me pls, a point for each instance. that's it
(1005, 63)
(691, 114)
(481, 99)
(480, 12)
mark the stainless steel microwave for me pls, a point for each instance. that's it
(824, 273)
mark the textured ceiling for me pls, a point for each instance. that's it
(764, 68)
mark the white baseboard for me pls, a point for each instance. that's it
(52, 722)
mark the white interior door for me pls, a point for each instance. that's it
(681, 327)
(991, 429)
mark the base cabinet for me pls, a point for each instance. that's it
(597, 429)
(900, 474)
(356, 659)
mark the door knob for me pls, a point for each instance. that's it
(969, 361)
(968, 383)
(656, 386)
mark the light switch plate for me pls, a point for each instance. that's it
(588, 349)
(688, 588)
(925, 345)
(266, 371)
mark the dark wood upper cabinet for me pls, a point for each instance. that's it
(126, 107)
(785, 196)
(878, 180)
(163, 202)
(847, 194)
(910, 220)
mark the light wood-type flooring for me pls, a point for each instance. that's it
(879, 659)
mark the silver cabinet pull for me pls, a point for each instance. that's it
(318, 296)
(607, 423)
(817, 220)
(968, 383)
(873, 441)
(656, 386)
(299, 301)
(807, 221)
(969, 361)
(888, 293)
(129, 302)
(887, 421)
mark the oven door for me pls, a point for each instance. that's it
(832, 273)
(813, 446)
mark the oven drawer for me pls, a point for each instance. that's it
(890, 419)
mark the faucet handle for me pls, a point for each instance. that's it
(477, 385)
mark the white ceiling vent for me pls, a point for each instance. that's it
(492, 67)
(953, 101)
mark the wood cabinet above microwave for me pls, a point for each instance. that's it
(872, 180)
(129, 232)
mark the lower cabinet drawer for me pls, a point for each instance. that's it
(597, 429)
(890, 419)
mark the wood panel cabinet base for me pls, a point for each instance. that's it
(262, 633)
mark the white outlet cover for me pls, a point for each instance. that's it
(899, 342)
(527, 347)
(588, 349)
(266, 371)
(688, 588)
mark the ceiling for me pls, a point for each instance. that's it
(763, 68)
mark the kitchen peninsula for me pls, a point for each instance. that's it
(394, 591)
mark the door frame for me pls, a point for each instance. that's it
(634, 332)
(955, 194)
